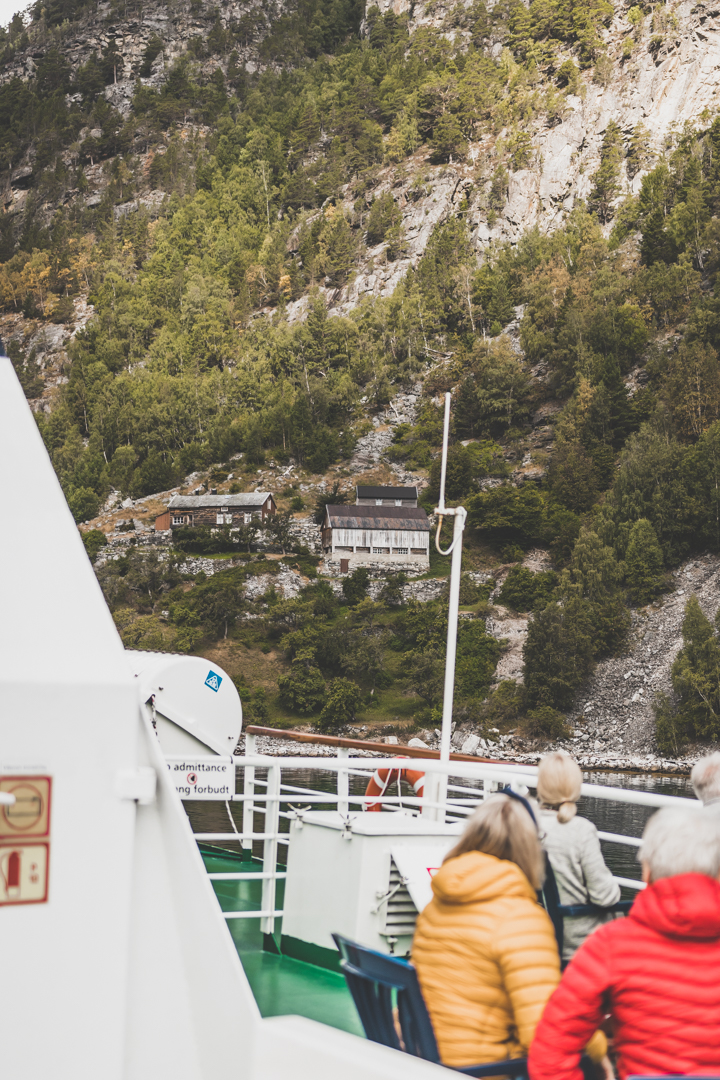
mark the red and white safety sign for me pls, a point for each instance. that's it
(24, 854)
(24, 873)
(29, 814)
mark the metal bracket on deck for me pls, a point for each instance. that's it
(386, 897)
(299, 813)
(139, 784)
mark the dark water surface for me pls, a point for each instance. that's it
(623, 818)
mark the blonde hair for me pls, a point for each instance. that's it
(559, 781)
(502, 827)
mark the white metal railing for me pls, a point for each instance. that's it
(275, 800)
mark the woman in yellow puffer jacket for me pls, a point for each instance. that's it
(484, 949)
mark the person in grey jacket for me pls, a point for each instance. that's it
(573, 848)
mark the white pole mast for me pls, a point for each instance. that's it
(459, 514)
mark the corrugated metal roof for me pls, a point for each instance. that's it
(412, 518)
(198, 502)
(386, 492)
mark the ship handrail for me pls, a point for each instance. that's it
(486, 770)
(275, 799)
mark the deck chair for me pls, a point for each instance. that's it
(372, 979)
(559, 912)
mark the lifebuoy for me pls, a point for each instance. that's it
(381, 779)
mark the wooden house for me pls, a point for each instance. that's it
(392, 536)
(386, 496)
(216, 511)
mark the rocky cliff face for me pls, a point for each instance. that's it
(666, 82)
(663, 87)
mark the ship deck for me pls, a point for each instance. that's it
(280, 984)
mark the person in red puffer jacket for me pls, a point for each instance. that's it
(657, 972)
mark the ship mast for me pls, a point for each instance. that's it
(459, 514)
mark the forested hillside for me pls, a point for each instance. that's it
(248, 227)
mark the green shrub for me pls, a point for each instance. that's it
(84, 503)
(524, 590)
(94, 540)
(505, 706)
(546, 721)
(355, 587)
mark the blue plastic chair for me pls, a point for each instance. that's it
(559, 912)
(372, 979)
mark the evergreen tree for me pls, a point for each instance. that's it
(696, 674)
(341, 706)
(384, 215)
(595, 571)
(572, 477)
(607, 177)
(333, 497)
(643, 563)
(559, 651)
(447, 139)
(670, 729)
(303, 690)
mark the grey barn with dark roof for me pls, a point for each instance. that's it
(361, 535)
(385, 496)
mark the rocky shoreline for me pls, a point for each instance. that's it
(594, 762)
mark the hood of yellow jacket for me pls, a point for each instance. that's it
(475, 877)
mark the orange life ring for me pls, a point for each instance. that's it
(382, 778)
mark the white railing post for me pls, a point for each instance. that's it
(248, 825)
(343, 783)
(431, 794)
(270, 848)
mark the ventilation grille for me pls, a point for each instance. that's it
(400, 911)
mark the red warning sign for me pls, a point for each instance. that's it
(29, 814)
(24, 873)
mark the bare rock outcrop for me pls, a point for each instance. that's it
(615, 710)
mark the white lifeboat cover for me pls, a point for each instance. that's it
(194, 693)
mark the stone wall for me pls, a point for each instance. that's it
(408, 564)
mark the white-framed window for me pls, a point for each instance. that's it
(398, 502)
(223, 519)
(400, 551)
(381, 551)
(182, 519)
(248, 518)
(378, 502)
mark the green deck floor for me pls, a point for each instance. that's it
(282, 986)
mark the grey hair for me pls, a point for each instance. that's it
(705, 777)
(681, 841)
